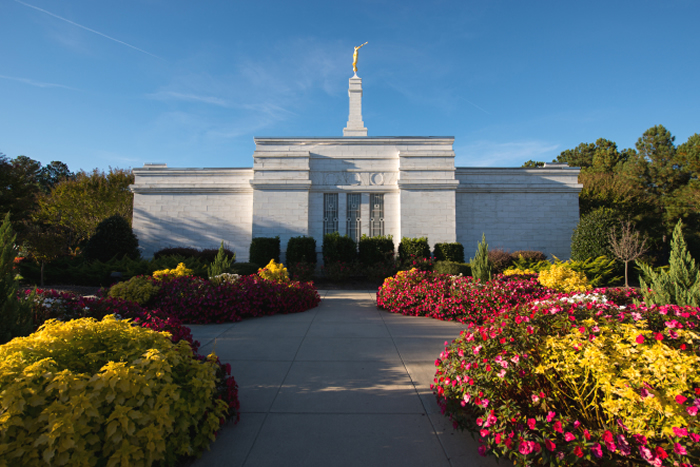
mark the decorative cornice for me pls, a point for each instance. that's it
(518, 188)
(280, 185)
(141, 190)
(428, 184)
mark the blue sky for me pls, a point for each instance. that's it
(119, 83)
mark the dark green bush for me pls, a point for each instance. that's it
(529, 255)
(452, 268)
(139, 289)
(453, 252)
(301, 250)
(590, 238)
(337, 248)
(377, 249)
(500, 260)
(245, 269)
(600, 272)
(263, 249)
(112, 238)
(413, 247)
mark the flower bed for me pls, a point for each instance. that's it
(451, 298)
(578, 379)
(195, 300)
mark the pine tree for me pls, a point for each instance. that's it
(15, 315)
(481, 267)
(680, 285)
(222, 263)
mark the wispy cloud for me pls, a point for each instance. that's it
(88, 29)
(187, 97)
(38, 84)
(503, 154)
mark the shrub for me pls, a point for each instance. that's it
(301, 250)
(453, 252)
(105, 391)
(413, 248)
(112, 238)
(680, 284)
(340, 271)
(378, 249)
(379, 271)
(452, 268)
(500, 260)
(570, 381)
(590, 237)
(564, 279)
(139, 289)
(481, 267)
(600, 271)
(222, 263)
(15, 314)
(182, 251)
(302, 271)
(224, 278)
(533, 264)
(337, 248)
(529, 255)
(263, 249)
(180, 271)
(245, 269)
(275, 272)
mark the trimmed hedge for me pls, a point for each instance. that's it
(113, 237)
(263, 249)
(414, 247)
(301, 250)
(590, 237)
(376, 249)
(337, 248)
(449, 252)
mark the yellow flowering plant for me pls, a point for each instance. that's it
(180, 271)
(564, 279)
(274, 272)
(88, 392)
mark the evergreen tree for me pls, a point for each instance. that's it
(221, 264)
(481, 267)
(680, 285)
(15, 315)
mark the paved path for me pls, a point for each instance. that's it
(344, 384)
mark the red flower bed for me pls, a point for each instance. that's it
(195, 300)
(450, 298)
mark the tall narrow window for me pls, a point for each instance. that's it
(376, 215)
(330, 213)
(353, 218)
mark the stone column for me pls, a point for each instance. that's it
(356, 127)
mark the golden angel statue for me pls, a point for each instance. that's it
(354, 57)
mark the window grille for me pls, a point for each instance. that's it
(376, 215)
(330, 213)
(353, 217)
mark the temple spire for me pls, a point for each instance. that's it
(355, 127)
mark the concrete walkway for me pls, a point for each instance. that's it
(343, 384)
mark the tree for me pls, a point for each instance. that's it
(627, 245)
(532, 164)
(15, 314)
(19, 186)
(481, 266)
(53, 173)
(44, 243)
(221, 264)
(680, 285)
(113, 237)
(81, 203)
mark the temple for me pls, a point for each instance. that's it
(356, 184)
